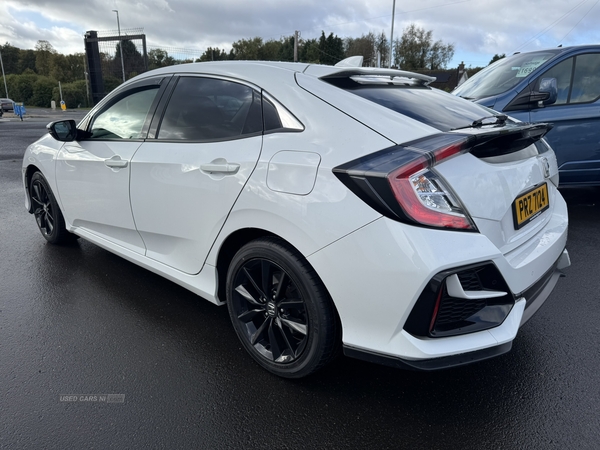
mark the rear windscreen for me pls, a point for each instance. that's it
(427, 105)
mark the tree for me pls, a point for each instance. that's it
(383, 47)
(26, 61)
(247, 49)
(68, 68)
(10, 58)
(159, 58)
(213, 54)
(331, 49)
(270, 51)
(416, 50)
(309, 51)
(133, 59)
(286, 49)
(497, 57)
(44, 53)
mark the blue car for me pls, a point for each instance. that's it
(560, 86)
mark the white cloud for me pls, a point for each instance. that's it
(478, 29)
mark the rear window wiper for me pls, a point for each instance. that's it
(499, 119)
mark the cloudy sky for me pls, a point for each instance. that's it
(478, 28)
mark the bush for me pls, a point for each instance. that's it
(42, 92)
(74, 94)
(20, 87)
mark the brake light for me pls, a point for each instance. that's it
(424, 196)
(399, 182)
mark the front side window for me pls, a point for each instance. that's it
(124, 119)
(204, 109)
(586, 79)
(578, 79)
(562, 72)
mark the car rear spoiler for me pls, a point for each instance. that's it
(505, 139)
(327, 72)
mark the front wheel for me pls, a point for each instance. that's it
(47, 214)
(280, 309)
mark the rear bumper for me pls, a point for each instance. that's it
(537, 294)
(527, 305)
(377, 274)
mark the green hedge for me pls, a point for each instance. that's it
(36, 90)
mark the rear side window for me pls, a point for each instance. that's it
(205, 109)
(427, 105)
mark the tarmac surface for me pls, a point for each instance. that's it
(96, 352)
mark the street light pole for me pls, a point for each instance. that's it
(392, 35)
(3, 75)
(121, 43)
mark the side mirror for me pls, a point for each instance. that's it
(63, 130)
(547, 94)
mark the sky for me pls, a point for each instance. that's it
(479, 29)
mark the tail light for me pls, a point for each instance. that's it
(400, 182)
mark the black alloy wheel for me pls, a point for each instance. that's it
(280, 309)
(47, 214)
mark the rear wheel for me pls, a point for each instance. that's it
(280, 309)
(47, 214)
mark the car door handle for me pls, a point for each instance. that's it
(116, 162)
(220, 165)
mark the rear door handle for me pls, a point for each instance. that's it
(220, 165)
(116, 162)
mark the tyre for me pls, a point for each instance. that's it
(280, 309)
(47, 214)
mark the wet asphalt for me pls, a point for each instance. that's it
(96, 352)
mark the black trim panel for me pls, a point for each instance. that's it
(446, 362)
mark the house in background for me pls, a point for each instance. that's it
(447, 79)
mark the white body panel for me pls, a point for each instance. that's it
(306, 220)
(502, 183)
(180, 201)
(95, 195)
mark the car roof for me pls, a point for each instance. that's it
(259, 72)
(560, 50)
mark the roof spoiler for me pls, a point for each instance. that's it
(349, 71)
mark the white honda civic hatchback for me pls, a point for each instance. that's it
(329, 207)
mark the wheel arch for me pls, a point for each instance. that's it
(227, 251)
(236, 241)
(29, 171)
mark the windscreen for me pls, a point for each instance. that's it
(502, 75)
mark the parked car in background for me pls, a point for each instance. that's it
(560, 86)
(6, 104)
(326, 206)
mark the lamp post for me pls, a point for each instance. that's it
(3, 75)
(392, 35)
(120, 43)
